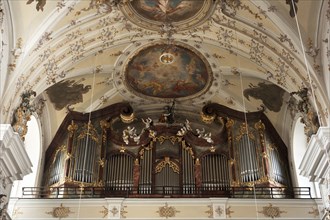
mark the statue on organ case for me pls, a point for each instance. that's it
(168, 117)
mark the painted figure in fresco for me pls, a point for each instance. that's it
(187, 75)
(67, 93)
(161, 9)
(293, 7)
(271, 95)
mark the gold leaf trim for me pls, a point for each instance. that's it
(271, 211)
(167, 211)
(105, 211)
(60, 212)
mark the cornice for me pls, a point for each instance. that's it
(315, 163)
(14, 160)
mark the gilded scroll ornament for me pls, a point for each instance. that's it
(173, 139)
(244, 130)
(68, 156)
(167, 211)
(127, 118)
(259, 126)
(101, 162)
(219, 211)
(59, 150)
(209, 211)
(123, 212)
(90, 131)
(315, 212)
(104, 125)
(114, 211)
(232, 161)
(271, 211)
(99, 183)
(208, 119)
(23, 113)
(300, 102)
(228, 211)
(105, 211)
(212, 149)
(72, 128)
(188, 149)
(122, 149)
(230, 123)
(60, 212)
(165, 162)
(265, 155)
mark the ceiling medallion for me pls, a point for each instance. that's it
(166, 58)
(159, 71)
(182, 14)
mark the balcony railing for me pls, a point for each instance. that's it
(145, 191)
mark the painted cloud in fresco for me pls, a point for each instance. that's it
(172, 10)
(66, 93)
(187, 75)
(270, 94)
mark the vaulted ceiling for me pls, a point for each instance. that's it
(86, 55)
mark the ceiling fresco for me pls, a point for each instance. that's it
(66, 93)
(247, 55)
(168, 71)
(153, 14)
(270, 94)
(164, 10)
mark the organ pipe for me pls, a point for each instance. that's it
(187, 162)
(233, 163)
(278, 168)
(167, 176)
(215, 173)
(85, 150)
(249, 160)
(57, 169)
(146, 171)
(260, 127)
(119, 175)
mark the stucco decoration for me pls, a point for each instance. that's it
(66, 93)
(270, 94)
(168, 72)
(60, 212)
(23, 113)
(301, 102)
(167, 211)
(271, 211)
(183, 14)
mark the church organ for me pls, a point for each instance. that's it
(123, 153)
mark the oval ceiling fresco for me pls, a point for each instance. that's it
(182, 14)
(167, 72)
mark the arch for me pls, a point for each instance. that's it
(33, 148)
(299, 147)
